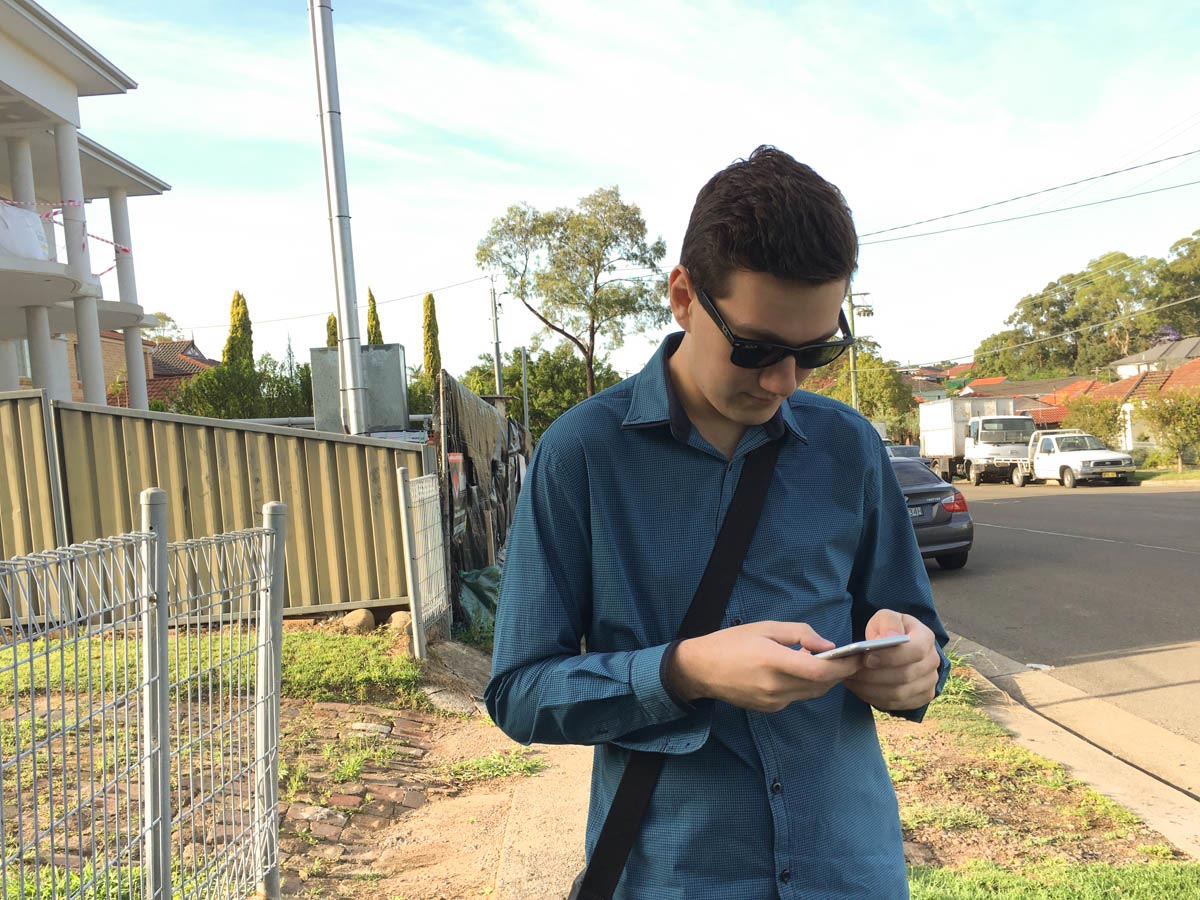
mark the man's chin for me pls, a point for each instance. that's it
(751, 412)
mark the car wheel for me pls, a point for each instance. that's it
(1018, 477)
(952, 560)
(1068, 478)
(973, 474)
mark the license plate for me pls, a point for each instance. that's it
(915, 512)
(1109, 474)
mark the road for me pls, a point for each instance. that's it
(1102, 583)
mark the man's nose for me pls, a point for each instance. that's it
(780, 379)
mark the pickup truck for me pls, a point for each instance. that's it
(1070, 456)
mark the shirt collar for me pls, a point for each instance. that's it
(656, 402)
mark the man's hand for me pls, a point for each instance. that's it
(754, 666)
(903, 677)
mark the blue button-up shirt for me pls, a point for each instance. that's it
(618, 516)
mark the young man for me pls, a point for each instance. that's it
(773, 783)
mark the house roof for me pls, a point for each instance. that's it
(54, 42)
(1070, 392)
(960, 369)
(179, 358)
(1007, 388)
(1150, 384)
(1048, 415)
(978, 382)
(1166, 352)
(1184, 378)
(1118, 390)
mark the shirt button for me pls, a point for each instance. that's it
(785, 876)
(736, 620)
(776, 788)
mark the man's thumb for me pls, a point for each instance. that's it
(885, 622)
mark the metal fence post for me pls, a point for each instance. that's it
(412, 582)
(267, 691)
(156, 696)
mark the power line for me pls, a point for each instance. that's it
(1033, 215)
(1057, 187)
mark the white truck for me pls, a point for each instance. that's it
(1069, 456)
(976, 437)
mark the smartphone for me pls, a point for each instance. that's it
(863, 646)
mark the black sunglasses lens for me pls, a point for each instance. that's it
(815, 357)
(755, 356)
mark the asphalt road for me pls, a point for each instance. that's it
(1102, 583)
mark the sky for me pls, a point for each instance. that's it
(454, 111)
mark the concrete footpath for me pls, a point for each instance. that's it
(1139, 765)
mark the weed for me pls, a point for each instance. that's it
(1094, 809)
(496, 765)
(946, 817)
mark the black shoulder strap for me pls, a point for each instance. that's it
(629, 805)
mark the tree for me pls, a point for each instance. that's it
(433, 351)
(331, 334)
(239, 346)
(1174, 420)
(420, 391)
(228, 391)
(1110, 305)
(883, 394)
(1179, 279)
(167, 329)
(374, 332)
(286, 388)
(557, 381)
(587, 273)
(1099, 417)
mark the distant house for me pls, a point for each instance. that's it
(1160, 358)
(959, 371)
(173, 363)
(1001, 387)
(1131, 391)
(113, 357)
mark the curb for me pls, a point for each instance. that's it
(1152, 771)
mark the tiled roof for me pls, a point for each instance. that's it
(1118, 390)
(179, 358)
(1184, 378)
(1166, 352)
(162, 388)
(1150, 385)
(1050, 415)
(1019, 388)
(960, 369)
(976, 382)
(1070, 392)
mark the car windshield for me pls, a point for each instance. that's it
(1080, 442)
(913, 474)
(904, 450)
(1006, 431)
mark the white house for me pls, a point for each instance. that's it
(1161, 357)
(48, 173)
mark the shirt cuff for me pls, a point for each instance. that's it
(663, 667)
(649, 685)
(918, 714)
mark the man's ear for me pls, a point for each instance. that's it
(679, 293)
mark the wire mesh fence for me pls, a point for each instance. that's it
(139, 712)
(430, 552)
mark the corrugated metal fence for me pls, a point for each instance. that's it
(344, 547)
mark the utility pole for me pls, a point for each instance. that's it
(525, 388)
(353, 394)
(866, 310)
(496, 340)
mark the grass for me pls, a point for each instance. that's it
(1056, 881)
(351, 755)
(1189, 473)
(350, 667)
(496, 765)
(943, 816)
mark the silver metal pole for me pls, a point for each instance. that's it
(525, 388)
(412, 582)
(156, 697)
(496, 341)
(267, 690)
(338, 200)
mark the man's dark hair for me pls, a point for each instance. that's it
(769, 214)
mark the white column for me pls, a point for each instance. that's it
(87, 322)
(41, 355)
(20, 159)
(135, 362)
(10, 370)
(60, 348)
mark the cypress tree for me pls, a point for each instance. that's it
(374, 332)
(239, 346)
(331, 335)
(433, 353)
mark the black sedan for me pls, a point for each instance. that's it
(938, 513)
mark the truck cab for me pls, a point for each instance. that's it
(994, 445)
(1070, 456)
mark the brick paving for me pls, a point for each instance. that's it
(333, 819)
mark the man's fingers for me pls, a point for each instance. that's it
(795, 634)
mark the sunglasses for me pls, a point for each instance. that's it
(759, 354)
